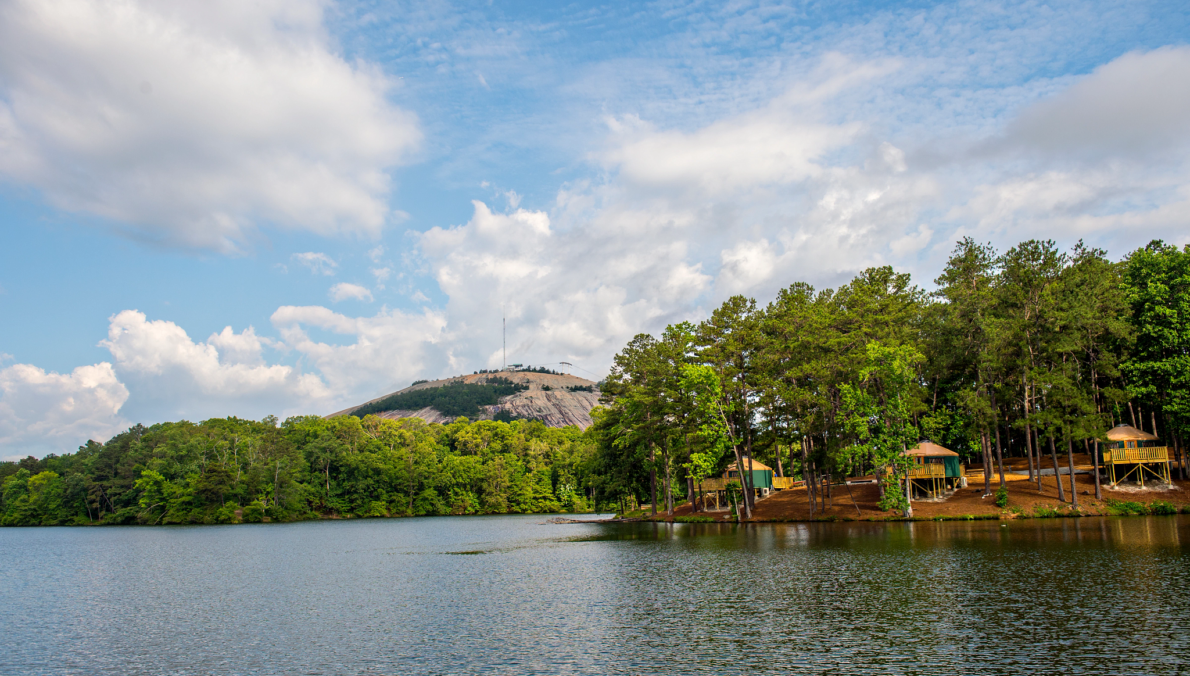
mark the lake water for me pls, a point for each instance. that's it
(515, 595)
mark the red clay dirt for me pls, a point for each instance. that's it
(1023, 498)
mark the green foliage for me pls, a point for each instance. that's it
(1002, 497)
(232, 470)
(1056, 345)
(1044, 512)
(1125, 508)
(453, 400)
(1162, 508)
(694, 519)
(878, 411)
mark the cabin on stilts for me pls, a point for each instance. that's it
(935, 470)
(1131, 452)
(762, 481)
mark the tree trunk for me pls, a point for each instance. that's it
(1153, 415)
(1057, 475)
(999, 456)
(690, 492)
(750, 497)
(669, 493)
(1029, 448)
(908, 498)
(1028, 427)
(1095, 461)
(1037, 445)
(739, 463)
(1132, 413)
(653, 477)
(806, 480)
(1181, 448)
(669, 487)
(986, 444)
(1070, 462)
(780, 469)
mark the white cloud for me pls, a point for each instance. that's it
(573, 295)
(343, 291)
(44, 412)
(318, 263)
(171, 376)
(390, 348)
(381, 275)
(191, 123)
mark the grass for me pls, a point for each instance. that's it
(1125, 508)
(694, 519)
(1043, 512)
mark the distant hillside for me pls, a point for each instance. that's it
(556, 400)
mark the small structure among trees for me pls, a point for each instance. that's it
(761, 478)
(1133, 452)
(935, 469)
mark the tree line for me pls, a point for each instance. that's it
(230, 470)
(1032, 352)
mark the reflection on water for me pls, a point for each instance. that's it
(514, 595)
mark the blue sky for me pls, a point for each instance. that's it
(217, 208)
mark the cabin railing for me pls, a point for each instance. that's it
(931, 470)
(1129, 456)
(718, 484)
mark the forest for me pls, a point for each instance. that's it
(451, 400)
(1033, 352)
(232, 470)
(1030, 352)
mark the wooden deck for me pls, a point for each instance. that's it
(1131, 456)
(1141, 459)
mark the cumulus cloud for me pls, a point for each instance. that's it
(44, 412)
(390, 348)
(190, 123)
(171, 376)
(343, 291)
(571, 295)
(318, 263)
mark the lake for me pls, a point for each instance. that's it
(516, 595)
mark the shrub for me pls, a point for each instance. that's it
(1162, 508)
(226, 514)
(1124, 508)
(254, 512)
(694, 519)
(1043, 512)
(1002, 497)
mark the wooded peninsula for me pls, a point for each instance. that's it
(1030, 353)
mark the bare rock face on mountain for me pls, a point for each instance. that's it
(557, 400)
